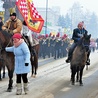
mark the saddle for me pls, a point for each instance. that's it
(32, 50)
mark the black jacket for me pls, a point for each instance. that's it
(77, 33)
(1, 24)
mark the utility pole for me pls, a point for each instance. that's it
(46, 16)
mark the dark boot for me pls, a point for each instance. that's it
(88, 62)
(70, 55)
(68, 60)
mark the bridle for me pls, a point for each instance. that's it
(86, 46)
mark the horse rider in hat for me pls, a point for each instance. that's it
(77, 35)
(13, 24)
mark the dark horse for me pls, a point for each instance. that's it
(8, 57)
(79, 58)
(34, 56)
(35, 60)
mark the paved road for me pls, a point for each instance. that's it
(53, 81)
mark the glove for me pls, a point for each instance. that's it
(6, 30)
(26, 64)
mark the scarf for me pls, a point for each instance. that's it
(19, 42)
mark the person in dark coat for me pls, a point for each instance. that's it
(1, 23)
(77, 35)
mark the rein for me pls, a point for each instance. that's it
(9, 43)
(85, 45)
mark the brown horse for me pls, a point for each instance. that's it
(79, 58)
(34, 56)
(8, 57)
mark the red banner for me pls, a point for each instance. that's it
(34, 21)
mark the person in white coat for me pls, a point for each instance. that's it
(22, 62)
(28, 34)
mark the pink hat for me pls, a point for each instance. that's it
(17, 35)
(80, 24)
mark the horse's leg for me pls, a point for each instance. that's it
(32, 65)
(4, 71)
(81, 74)
(73, 74)
(36, 64)
(10, 74)
(0, 74)
(86, 67)
(77, 77)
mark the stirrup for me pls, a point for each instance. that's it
(88, 62)
(68, 61)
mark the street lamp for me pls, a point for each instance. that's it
(46, 16)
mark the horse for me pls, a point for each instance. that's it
(34, 55)
(79, 58)
(8, 57)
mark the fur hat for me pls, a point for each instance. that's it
(12, 12)
(17, 35)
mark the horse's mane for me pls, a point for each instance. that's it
(6, 34)
(5, 39)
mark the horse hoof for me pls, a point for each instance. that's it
(73, 83)
(0, 79)
(3, 77)
(34, 76)
(77, 80)
(9, 90)
(31, 75)
(81, 84)
(28, 81)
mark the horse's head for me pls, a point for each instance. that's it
(5, 39)
(86, 41)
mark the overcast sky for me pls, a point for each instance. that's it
(65, 5)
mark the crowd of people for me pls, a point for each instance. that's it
(53, 46)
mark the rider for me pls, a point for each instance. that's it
(77, 34)
(1, 23)
(13, 24)
(28, 35)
